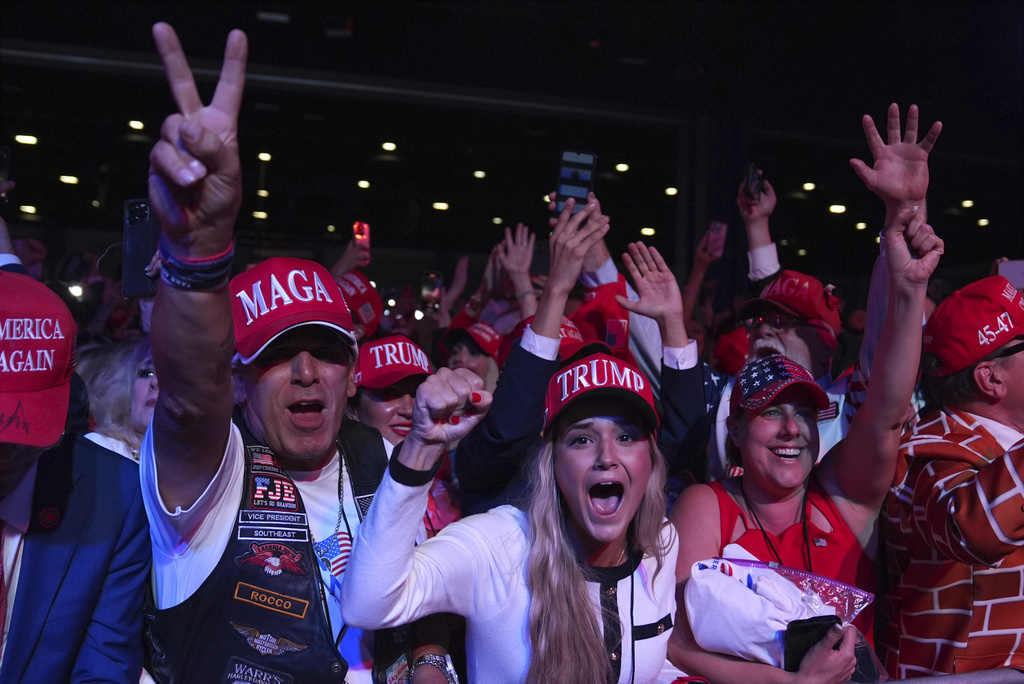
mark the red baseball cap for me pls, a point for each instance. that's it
(596, 376)
(363, 300)
(283, 293)
(37, 359)
(486, 337)
(800, 295)
(973, 322)
(388, 360)
(762, 379)
(570, 340)
(730, 352)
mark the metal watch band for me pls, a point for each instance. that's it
(442, 663)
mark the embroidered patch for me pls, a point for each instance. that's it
(267, 644)
(334, 551)
(270, 491)
(271, 600)
(275, 518)
(274, 559)
(293, 534)
(265, 458)
(364, 502)
(244, 672)
(830, 413)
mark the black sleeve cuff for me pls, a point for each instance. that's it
(405, 475)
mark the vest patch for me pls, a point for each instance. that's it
(271, 600)
(274, 559)
(271, 491)
(244, 672)
(265, 643)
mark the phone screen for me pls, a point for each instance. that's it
(575, 178)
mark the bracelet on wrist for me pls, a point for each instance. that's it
(208, 273)
(442, 663)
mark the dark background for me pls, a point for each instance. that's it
(685, 93)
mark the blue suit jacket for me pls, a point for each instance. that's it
(78, 612)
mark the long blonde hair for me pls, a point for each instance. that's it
(565, 636)
(110, 392)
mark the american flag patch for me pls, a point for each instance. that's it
(617, 333)
(263, 459)
(820, 542)
(334, 551)
(830, 413)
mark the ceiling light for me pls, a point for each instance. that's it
(479, 174)
(647, 231)
(496, 220)
(391, 302)
(967, 204)
(259, 214)
(982, 222)
(861, 225)
(363, 184)
(264, 156)
(390, 146)
(671, 191)
(837, 208)
(878, 240)
(27, 209)
(809, 186)
(547, 199)
(273, 17)
(137, 125)
(262, 193)
(96, 203)
(418, 315)
(70, 180)
(801, 252)
(440, 206)
(26, 139)
(331, 228)
(784, 242)
(622, 167)
(75, 290)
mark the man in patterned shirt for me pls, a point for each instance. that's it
(955, 512)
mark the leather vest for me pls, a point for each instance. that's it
(260, 615)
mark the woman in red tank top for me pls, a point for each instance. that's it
(784, 508)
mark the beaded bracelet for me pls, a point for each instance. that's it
(207, 273)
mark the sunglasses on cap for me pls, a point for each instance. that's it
(780, 322)
(1009, 351)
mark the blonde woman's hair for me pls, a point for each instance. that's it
(110, 392)
(565, 635)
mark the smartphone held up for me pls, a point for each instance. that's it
(575, 178)
(141, 241)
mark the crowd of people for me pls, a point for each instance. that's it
(275, 480)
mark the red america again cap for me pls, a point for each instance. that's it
(973, 322)
(283, 293)
(363, 300)
(37, 358)
(597, 376)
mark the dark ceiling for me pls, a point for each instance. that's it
(685, 93)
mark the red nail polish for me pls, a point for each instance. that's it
(455, 420)
(476, 397)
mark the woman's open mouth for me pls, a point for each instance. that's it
(605, 497)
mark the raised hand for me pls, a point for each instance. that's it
(515, 253)
(915, 262)
(448, 405)
(356, 255)
(756, 209)
(659, 293)
(571, 240)
(195, 184)
(899, 174)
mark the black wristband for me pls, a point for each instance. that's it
(404, 475)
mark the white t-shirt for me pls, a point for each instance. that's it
(476, 567)
(188, 544)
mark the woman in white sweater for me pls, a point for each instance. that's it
(579, 587)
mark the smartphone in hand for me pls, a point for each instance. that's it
(430, 291)
(752, 186)
(141, 240)
(575, 178)
(716, 238)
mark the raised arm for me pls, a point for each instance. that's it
(703, 257)
(659, 293)
(860, 468)
(515, 254)
(195, 189)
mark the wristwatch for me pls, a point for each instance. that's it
(441, 662)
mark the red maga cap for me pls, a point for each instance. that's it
(570, 339)
(363, 300)
(484, 335)
(800, 295)
(596, 376)
(37, 358)
(388, 360)
(973, 322)
(282, 293)
(761, 380)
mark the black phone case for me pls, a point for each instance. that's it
(801, 635)
(141, 239)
